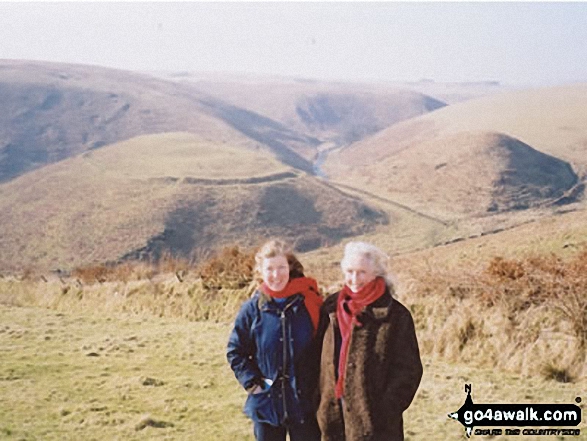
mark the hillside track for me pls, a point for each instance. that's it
(343, 187)
(275, 177)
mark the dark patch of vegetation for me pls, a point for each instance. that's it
(556, 373)
(530, 177)
(232, 267)
(254, 180)
(151, 422)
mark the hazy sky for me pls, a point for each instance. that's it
(515, 43)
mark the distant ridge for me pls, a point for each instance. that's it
(338, 113)
(53, 111)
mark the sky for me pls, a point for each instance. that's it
(528, 43)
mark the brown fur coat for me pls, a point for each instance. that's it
(383, 374)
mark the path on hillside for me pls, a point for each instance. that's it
(343, 187)
(389, 201)
(319, 172)
(225, 181)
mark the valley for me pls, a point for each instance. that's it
(108, 166)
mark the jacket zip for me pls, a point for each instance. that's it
(284, 375)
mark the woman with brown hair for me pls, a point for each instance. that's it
(370, 368)
(273, 349)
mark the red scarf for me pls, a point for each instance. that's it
(305, 286)
(355, 302)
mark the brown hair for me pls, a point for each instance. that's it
(278, 247)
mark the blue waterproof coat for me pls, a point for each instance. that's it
(276, 341)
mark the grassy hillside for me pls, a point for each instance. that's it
(335, 113)
(174, 193)
(71, 376)
(468, 174)
(562, 234)
(495, 311)
(453, 249)
(53, 111)
(449, 161)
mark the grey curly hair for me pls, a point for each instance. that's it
(377, 257)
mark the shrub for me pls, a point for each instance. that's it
(230, 268)
(508, 313)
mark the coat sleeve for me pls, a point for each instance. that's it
(241, 348)
(405, 372)
(317, 355)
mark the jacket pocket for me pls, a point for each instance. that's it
(259, 407)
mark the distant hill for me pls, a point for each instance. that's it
(53, 111)
(174, 193)
(338, 113)
(502, 152)
(454, 92)
(102, 165)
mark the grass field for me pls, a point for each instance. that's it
(73, 376)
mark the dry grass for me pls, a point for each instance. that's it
(526, 315)
(102, 206)
(72, 376)
(230, 268)
(161, 296)
(132, 270)
(498, 323)
(523, 315)
(170, 287)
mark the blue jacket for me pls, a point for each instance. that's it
(276, 341)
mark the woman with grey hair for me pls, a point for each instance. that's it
(370, 366)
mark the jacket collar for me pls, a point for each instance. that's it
(379, 310)
(266, 303)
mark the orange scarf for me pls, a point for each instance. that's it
(349, 305)
(305, 286)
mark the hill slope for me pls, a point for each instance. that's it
(441, 160)
(338, 113)
(53, 111)
(173, 193)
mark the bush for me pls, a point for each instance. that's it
(517, 314)
(230, 268)
(540, 280)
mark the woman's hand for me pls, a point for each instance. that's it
(260, 386)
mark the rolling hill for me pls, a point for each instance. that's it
(331, 113)
(176, 193)
(502, 152)
(99, 165)
(54, 111)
